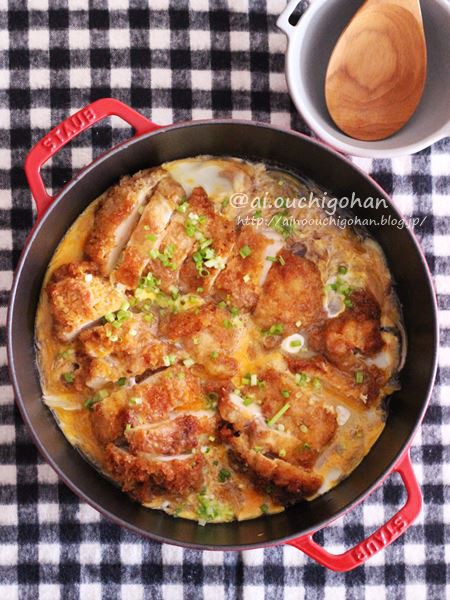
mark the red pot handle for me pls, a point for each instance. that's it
(69, 129)
(376, 542)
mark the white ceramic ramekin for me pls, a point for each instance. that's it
(310, 43)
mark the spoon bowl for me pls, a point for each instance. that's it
(376, 74)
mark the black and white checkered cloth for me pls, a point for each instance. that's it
(175, 60)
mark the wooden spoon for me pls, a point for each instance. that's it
(377, 71)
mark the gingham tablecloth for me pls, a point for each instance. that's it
(176, 61)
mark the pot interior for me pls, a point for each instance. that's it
(299, 155)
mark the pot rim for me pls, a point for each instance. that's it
(39, 225)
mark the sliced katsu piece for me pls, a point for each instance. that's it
(116, 216)
(214, 238)
(152, 401)
(352, 336)
(149, 232)
(248, 266)
(277, 431)
(146, 477)
(123, 347)
(210, 334)
(360, 388)
(149, 447)
(177, 244)
(79, 297)
(292, 294)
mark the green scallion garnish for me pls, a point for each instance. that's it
(245, 251)
(277, 416)
(224, 475)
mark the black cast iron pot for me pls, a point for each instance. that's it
(298, 154)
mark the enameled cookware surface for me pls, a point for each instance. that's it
(299, 155)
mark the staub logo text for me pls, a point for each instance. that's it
(69, 129)
(381, 538)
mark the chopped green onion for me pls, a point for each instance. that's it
(296, 343)
(282, 223)
(301, 378)
(135, 400)
(247, 401)
(200, 290)
(359, 377)
(98, 397)
(285, 393)
(281, 261)
(306, 446)
(169, 359)
(214, 354)
(264, 509)
(276, 329)
(348, 303)
(342, 270)
(110, 317)
(122, 381)
(123, 315)
(90, 403)
(205, 244)
(258, 449)
(271, 422)
(317, 384)
(68, 377)
(224, 474)
(282, 453)
(151, 237)
(227, 324)
(245, 251)
(271, 258)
